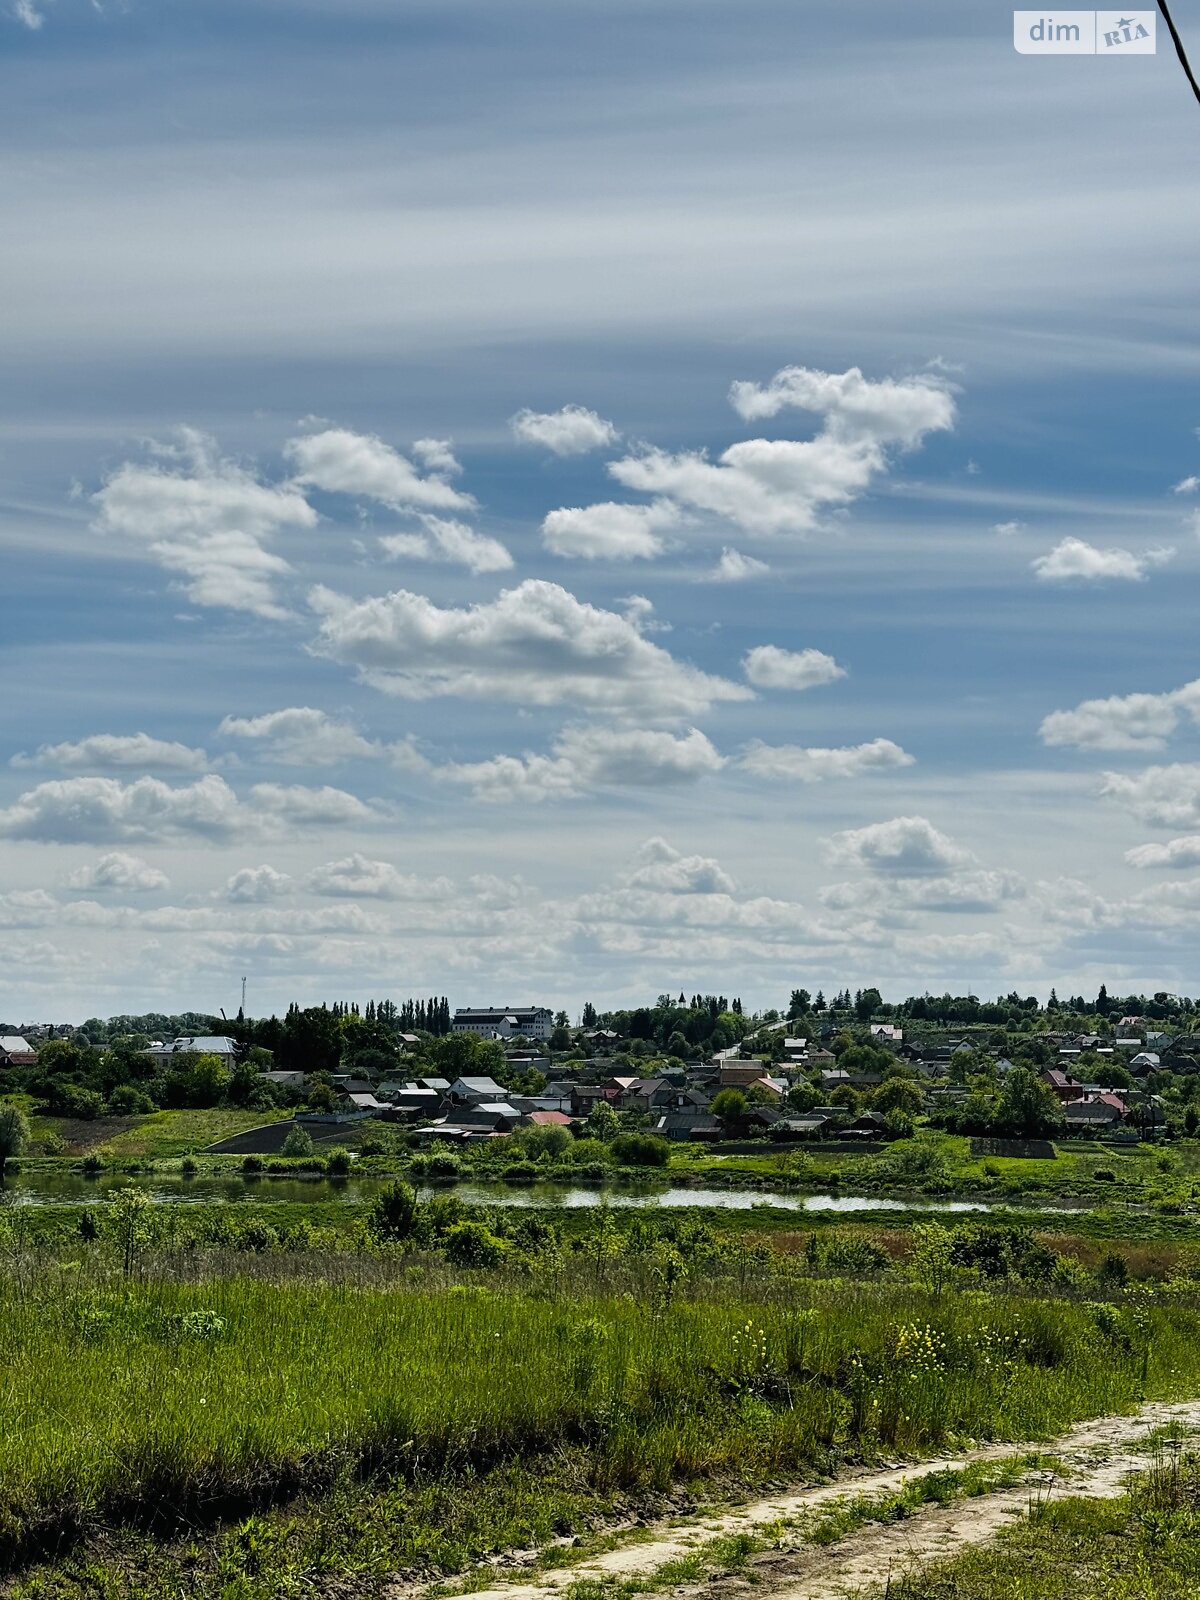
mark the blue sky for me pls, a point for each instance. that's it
(277, 279)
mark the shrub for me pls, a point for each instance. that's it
(189, 1167)
(520, 1172)
(298, 1142)
(1104, 1175)
(91, 1166)
(393, 1215)
(1112, 1272)
(641, 1150)
(252, 1166)
(470, 1244)
(445, 1168)
(338, 1163)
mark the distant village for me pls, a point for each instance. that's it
(842, 1078)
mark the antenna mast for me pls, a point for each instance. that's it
(243, 996)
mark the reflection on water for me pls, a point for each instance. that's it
(73, 1188)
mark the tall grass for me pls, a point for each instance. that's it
(153, 1402)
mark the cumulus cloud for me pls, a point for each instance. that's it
(101, 809)
(301, 736)
(207, 520)
(294, 803)
(1075, 558)
(1007, 529)
(962, 892)
(769, 667)
(437, 455)
(815, 765)
(893, 411)
(447, 540)
(1183, 852)
(358, 877)
(1163, 797)
(904, 847)
(666, 870)
(780, 486)
(734, 567)
(117, 870)
(115, 752)
(1123, 722)
(585, 759)
(572, 431)
(535, 644)
(1187, 486)
(609, 530)
(342, 462)
(254, 885)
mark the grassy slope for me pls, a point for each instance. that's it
(208, 1398)
(159, 1136)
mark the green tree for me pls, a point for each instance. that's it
(14, 1135)
(603, 1123)
(394, 1214)
(129, 1220)
(298, 1142)
(899, 1094)
(1026, 1108)
(732, 1111)
(932, 1257)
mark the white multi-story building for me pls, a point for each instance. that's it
(504, 1022)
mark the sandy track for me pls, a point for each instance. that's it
(1096, 1458)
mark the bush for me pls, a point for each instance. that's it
(444, 1168)
(1104, 1175)
(298, 1142)
(91, 1166)
(252, 1166)
(520, 1172)
(189, 1167)
(394, 1214)
(1113, 1271)
(338, 1162)
(641, 1150)
(470, 1244)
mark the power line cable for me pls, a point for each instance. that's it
(1179, 49)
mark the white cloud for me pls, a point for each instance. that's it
(79, 809)
(447, 540)
(254, 885)
(293, 803)
(815, 765)
(960, 892)
(358, 877)
(437, 455)
(1007, 529)
(119, 871)
(610, 530)
(1187, 486)
(1123, 722)
(1075, 558)
(115, 752)
(734, 567)
(904, 847)
(535, 644)
(892, 411)
(1183, 852)
(590, 758)
(778, 486)
(25, 11)
(573, 431)
(769, 667)
(207, 520)
(667, 871)
(301, 736)
(1164, 797)
(342, 462)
